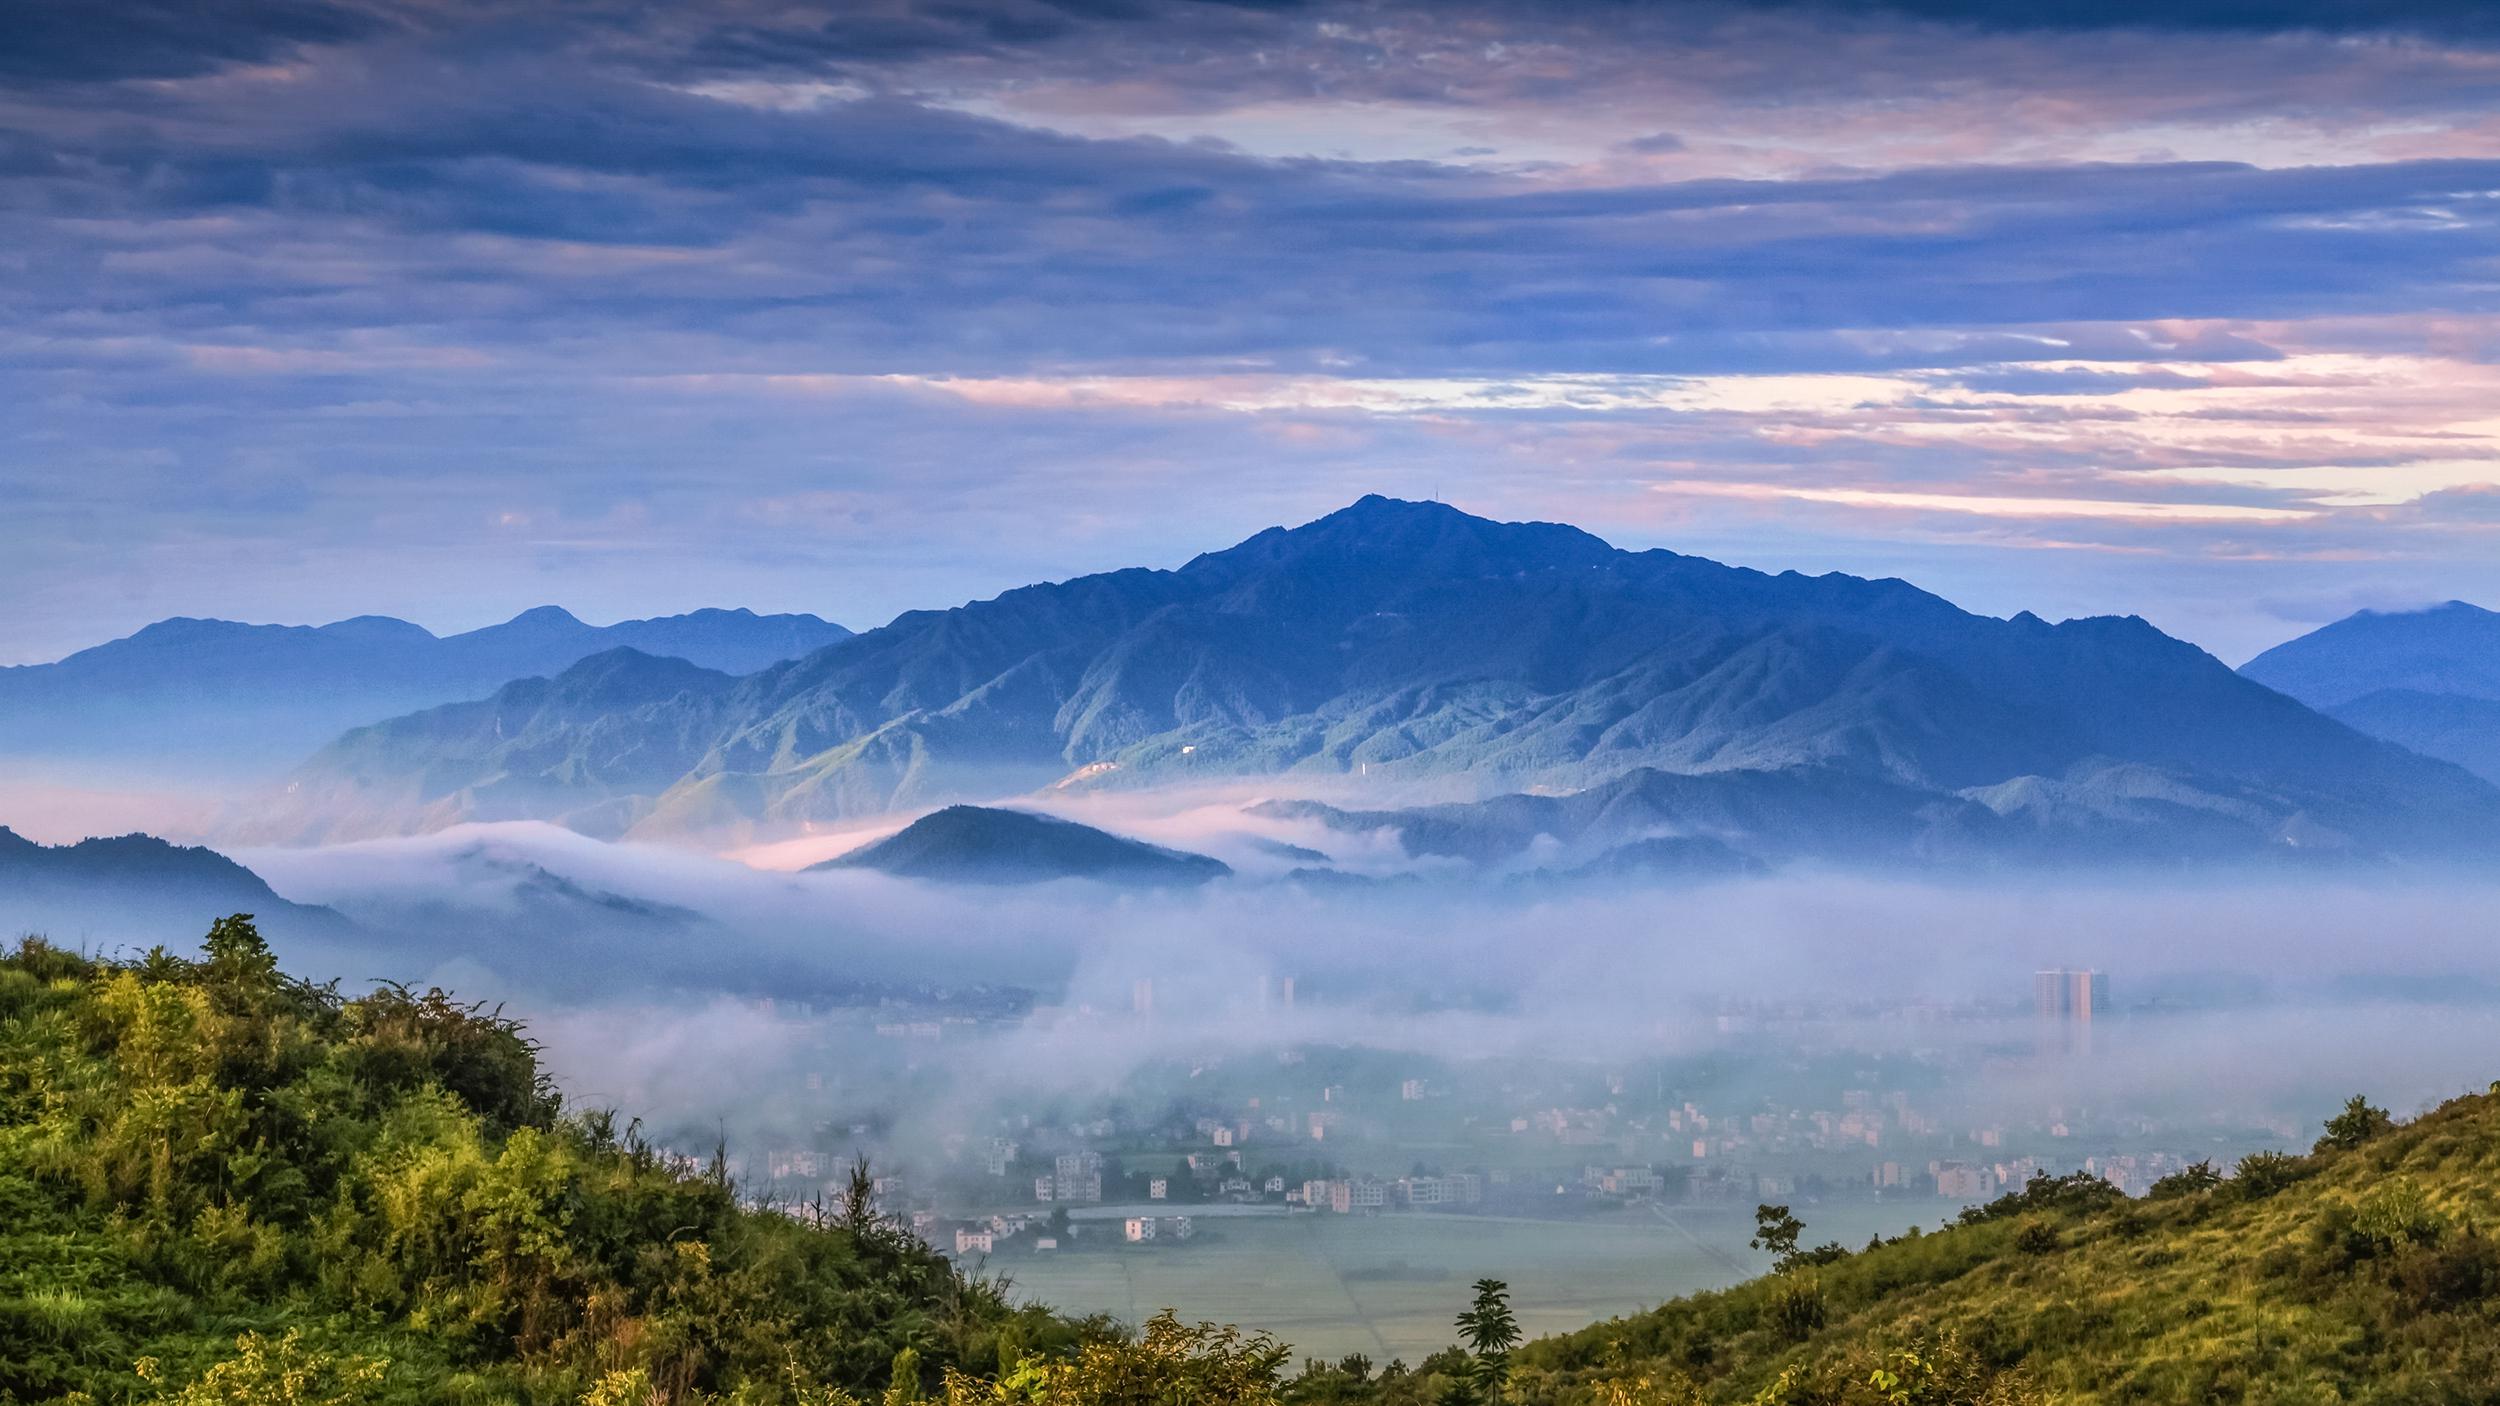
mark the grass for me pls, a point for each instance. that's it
(1388, 1286)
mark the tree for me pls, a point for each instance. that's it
(1490, 1331)
(2189, 1180)
(237, 953)
(1775, 1233)
(2357, 1124)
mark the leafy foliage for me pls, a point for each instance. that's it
(218, 1184)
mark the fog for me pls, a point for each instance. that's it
(702, 992)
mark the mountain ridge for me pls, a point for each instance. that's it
(222, 695)
(1412, 642)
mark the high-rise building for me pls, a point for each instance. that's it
(2066, 1001)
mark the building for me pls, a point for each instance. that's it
(1075, 1176)
(1158, 1189)
(2066, 1002)
(1960, 1181)
(1358, 1194)
(1456, 1189)
(1140, 1229)
(969, 1241)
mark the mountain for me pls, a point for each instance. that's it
(219, 696)
(578, 748)
(984, 845)
(137, 889)
(2428, 680)
(2446, 649)
(2448, 726)
(1712, 824)
(1397, 643)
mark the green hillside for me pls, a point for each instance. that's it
(2363, 1271)
(222, 1187)
(381, 1199)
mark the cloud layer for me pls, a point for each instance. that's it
(2186, 310)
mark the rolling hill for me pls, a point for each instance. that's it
(985, 845)
(221, 697)
(1411, 644)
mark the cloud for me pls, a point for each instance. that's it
(520, 300)
(2257, 982)
(161, 39)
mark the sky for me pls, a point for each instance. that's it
(448, 308)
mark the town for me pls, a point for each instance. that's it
(1785, 1106)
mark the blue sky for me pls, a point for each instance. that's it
(317, 307)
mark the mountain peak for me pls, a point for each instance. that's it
(542, 617)
(1423, 541)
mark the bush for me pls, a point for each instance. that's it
(2077, 1193)
(2358, 1123)
(2440, 1278)
(2261, 1174)
(2193, 1179)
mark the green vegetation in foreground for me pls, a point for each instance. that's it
(2364, 1271)
(221, 1187)
(218, 1184)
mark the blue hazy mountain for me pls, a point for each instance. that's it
(2427, 679)
(1396, 642)
(216, 695)
(137, 889)
(988, 845)
(575, 748)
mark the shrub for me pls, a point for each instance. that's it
(2439, 1278)
(2190, 1180)
(2261, 1174)
(2358, 1123)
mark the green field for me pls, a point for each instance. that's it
(1388, 1286)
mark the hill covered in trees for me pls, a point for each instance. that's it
(215, 1180)
(223, 1187)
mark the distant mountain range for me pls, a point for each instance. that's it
(216, 696)
(982, 844)
(138, 889)
(1410, 644)
(2427, 679)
